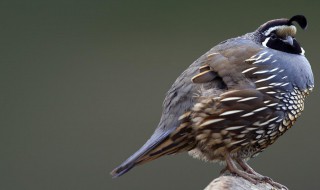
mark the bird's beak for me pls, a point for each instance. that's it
(289, 40)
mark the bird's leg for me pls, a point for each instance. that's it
(244, 165)
(248, 169)
(231, 166)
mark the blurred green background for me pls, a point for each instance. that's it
(82, 84)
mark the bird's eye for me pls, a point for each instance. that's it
(273, 36)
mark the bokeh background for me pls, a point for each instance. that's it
(82, 84)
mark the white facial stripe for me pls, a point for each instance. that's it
(266, 33)
(264, 43)
(302, 51)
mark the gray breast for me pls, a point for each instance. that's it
(282, 70)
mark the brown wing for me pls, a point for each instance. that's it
(236, 117)
(248, 111)
(219, 72)
(212, 74)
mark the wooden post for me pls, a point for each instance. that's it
(228, 182)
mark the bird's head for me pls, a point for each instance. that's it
(280, 34)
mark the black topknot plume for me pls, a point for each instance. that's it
(300, 19)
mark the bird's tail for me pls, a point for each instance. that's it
(155, 147)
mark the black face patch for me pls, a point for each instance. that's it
(274, 42)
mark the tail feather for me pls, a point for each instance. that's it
(162, 142)
(148, 153)
(135, 159)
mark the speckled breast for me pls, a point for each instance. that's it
(244, 122)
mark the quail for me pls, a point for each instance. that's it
(234, 101)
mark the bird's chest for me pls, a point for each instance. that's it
(245, 137)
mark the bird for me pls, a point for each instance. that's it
(234, 101)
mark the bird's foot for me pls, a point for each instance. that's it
(249, 174)
(260, 178)
(273, 183)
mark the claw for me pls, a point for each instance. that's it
(249, 174)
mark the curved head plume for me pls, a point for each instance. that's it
(300, 19)
(283, 27)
